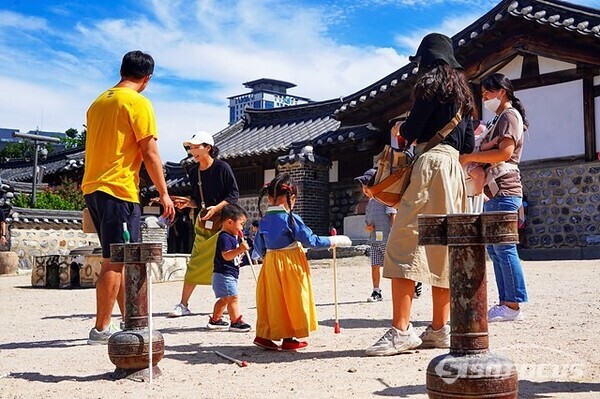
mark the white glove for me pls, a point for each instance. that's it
(340, 241)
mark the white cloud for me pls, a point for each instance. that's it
(449, 27)
(9, 19)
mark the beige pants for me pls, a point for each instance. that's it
(437, 186)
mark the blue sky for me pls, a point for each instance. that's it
(57, 56)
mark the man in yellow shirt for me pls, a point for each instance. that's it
(121, 133)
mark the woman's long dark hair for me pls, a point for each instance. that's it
(497, 81)
(213, 152)
(280, 185)
(446, 85)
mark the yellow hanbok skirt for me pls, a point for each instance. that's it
(201, 265)
(285, 304)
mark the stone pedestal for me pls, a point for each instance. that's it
(469, 370)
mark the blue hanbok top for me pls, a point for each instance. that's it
(276, 231)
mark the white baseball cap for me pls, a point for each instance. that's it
(201, 138)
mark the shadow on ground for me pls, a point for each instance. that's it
(527, 389)
(366, 323)
(50, 378)
(204, 354)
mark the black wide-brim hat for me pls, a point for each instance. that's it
(433, 47)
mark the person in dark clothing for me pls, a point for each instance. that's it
(213, 187)
(179, 232)
(437, 186)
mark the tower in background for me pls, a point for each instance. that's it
(266, 93)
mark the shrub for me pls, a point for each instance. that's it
(67, 197)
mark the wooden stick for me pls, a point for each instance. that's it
(336, 326)
(241, 363)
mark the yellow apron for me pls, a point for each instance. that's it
(201, 265)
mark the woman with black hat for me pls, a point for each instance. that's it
(441, 93)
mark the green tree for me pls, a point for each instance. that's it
(74, 138)
(16, 150)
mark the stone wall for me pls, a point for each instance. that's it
(343, 201)
(31, 242)
(563, 205)
(250, 204)
(312, 180)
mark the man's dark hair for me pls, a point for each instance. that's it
(137, 65)
(255, 223)
(233, 212)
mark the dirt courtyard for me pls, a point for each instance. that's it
(43, 350)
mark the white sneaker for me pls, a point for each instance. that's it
(179, 310)
(395, 341)
(492, 311)
(504, 313)
(435, 338)
(96, 337)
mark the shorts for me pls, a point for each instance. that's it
(108, 214)
(224, 285)
(377, 253)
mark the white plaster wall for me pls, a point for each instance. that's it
(555, 115)
(512, 70)
(548, 65)
(333, 172)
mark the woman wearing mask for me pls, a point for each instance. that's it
(436, 186)
(213, 185)
(503, 187)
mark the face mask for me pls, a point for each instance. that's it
(492, 104)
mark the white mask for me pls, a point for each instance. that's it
(492, 104)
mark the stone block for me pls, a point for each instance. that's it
(354, 227)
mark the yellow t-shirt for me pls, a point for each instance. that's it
(116, 122)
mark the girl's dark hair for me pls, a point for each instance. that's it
(446, 85)
(497, 81)
(280, 185)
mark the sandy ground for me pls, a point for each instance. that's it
(43, 351)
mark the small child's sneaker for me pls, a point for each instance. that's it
(217, 325)
(375, 296)
(239, 326)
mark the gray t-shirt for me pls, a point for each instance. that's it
(380, 216)
(509, 127)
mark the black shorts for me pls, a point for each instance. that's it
(108, 214)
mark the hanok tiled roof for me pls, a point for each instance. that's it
(579, 25)
(273, 131)
(21, 170)
(176, 178)
(44, 218)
